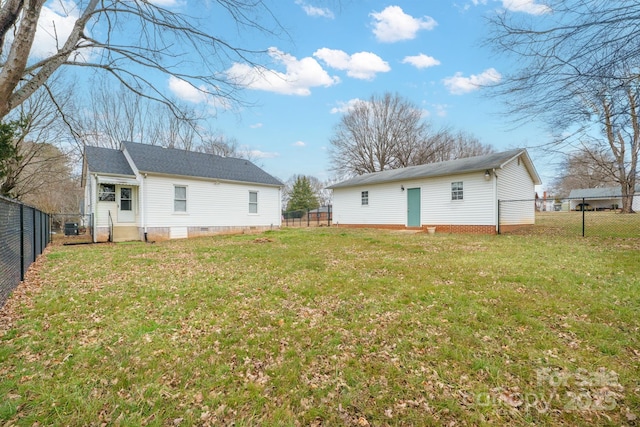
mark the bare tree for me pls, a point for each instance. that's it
(115, 114)
(385, 132)
(389, 133)
(158, 40)
(35, 160)
(320, 190)
(47, 181)
(579, 74)
(222, 145)
(591, 167)
(452, 145)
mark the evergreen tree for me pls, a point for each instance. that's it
(302, 195)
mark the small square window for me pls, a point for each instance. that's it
(253, 202)
(107, 193)
(364, 196)
(179, 198)
(456, 190)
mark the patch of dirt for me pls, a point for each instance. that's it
(262, 240)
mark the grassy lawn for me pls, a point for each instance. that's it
(327, 326)
(596, 224)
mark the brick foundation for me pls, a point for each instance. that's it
(156, 234)
(463, 229)
(509, 228)
(457, 229)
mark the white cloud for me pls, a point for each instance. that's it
(167, 3)
(459, 85)
(315, 11)
(299, 144)
(526, 6)
(185, 91)
(440, 110)
(259, 154)
(361, 65)
(56, 21)
(256, 125)
(298, 79)
(392, 25)
(345, 107)
(421, 61)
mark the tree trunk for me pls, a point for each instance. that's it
(628, 189)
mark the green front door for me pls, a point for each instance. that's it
(413, 207)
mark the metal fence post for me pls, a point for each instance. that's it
(21, 242)
(583, 209)
(33, 241)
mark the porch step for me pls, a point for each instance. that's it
(125, 234)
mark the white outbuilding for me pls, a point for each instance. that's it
(457, 196)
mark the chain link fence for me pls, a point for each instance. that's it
(308, 218)
(24, 234)
(592, 217)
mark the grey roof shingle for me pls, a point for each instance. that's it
(107, 160)
(451, 167)
(171, 161)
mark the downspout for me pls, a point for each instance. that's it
(94, 205)
(280, 207)
(496, 207)
(143, 208)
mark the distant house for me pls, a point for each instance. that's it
(608, 198)
(323, 213)
(546, 204)
(454, 196)
(145, 192)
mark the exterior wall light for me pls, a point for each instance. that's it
(401, 187)
(487, 175)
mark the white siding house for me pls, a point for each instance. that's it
(605, 198)
(144, 192)
(455, 196)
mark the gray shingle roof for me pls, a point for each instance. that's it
(598, 193)
(171, 161)
(107, 160)
(451, 167)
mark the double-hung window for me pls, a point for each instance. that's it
(456, 190)
(179, 198)
(253, 202)
(364, 198)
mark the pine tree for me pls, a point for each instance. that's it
(302, 195)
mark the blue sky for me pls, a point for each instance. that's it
(335, 52)
(428, 52)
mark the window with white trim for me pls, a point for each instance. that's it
(179, 198)
(456, 190)
(107, 193)
(364, 198)
(253, 202)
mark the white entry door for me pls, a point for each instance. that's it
(125, 205)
